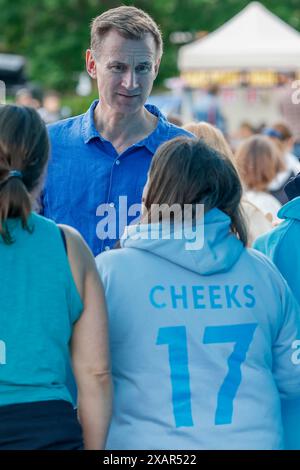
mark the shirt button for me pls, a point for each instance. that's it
(111, 204)
(107, 248)
(118, 162)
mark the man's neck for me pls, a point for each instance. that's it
(123, 130)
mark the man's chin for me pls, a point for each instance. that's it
(128, 107)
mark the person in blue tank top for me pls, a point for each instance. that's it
(204, 333)
(51, 300)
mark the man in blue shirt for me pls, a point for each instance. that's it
(100, 159)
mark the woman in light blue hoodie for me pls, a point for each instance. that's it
(203, 332)
(281, 245)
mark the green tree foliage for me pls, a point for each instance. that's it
(53, 34)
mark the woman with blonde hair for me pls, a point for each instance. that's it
(256, 221)
(211, 135)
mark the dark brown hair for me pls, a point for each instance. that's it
(24, 147)
(187, 171)
(130, 22)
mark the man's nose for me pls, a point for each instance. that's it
(130, 80)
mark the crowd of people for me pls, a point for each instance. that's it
(135, 314)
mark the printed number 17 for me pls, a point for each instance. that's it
(176, 338)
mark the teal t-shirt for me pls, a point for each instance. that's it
(39, 305)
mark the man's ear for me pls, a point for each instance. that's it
(90, 64)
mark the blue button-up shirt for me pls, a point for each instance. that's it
(93, 188)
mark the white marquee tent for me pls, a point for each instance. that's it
(253, 39)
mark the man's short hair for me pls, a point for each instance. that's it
(129, 22)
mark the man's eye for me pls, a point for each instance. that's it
(117, 68)
(143, 68)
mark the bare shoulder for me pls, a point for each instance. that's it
(70, 232)
(77, 247)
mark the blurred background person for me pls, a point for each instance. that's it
(207, 107)
(257, 223)
(258, 161)
(281, 135)
(51, 110)
(244, 131)
(175, 119)
(213, 136)
(26, 97)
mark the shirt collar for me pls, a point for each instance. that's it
(152, 141)
(88, 128)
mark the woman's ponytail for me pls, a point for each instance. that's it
(14, 202)
(24, 151)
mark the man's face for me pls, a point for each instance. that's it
(125, 70)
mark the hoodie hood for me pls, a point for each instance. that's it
(291, 210)
(217, 251)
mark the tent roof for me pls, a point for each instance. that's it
(254, 38)
(11, 62)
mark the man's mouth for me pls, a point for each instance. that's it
(127, 96)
